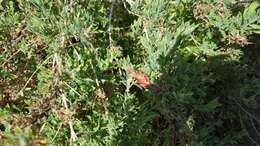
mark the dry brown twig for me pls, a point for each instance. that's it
(57, 67)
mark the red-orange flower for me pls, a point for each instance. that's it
(140, 77)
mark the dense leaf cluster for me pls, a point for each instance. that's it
(70, 71)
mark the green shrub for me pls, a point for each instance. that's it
(71, 72)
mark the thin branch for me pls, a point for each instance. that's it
(253, 125)
(56, 133)
(74, 90)
(247, 112)
(73, 135)
(129, 11)
(110, 24)
(95, 73)
(57, 67)
(247, 133)
(30, 78)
